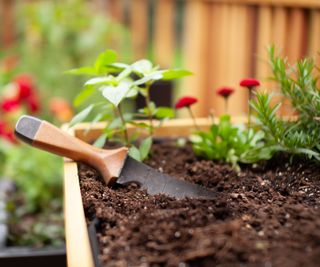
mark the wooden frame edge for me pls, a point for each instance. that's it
(78, 247)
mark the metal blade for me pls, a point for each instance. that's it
(156, 182)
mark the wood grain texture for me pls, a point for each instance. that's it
(108, 162)
(314, 36)
(164, 32)
(77, 239)
(139, 27)
(287, 3)
(195, 53)
(264, 35)
(172, 128)
(280, 27)
(296, 35)
(7, 25)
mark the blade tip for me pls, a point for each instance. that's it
(26, 128)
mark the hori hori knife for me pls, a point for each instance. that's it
(114, 165)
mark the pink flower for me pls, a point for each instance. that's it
(185, 101)
(225, 91)
(249, 82)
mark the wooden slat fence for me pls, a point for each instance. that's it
(221, 41)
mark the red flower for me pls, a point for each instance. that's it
(7, 134)
(8, 105)
(25, 85)
(225, 91)
(249, 82)
(33, 104)
(185, 101)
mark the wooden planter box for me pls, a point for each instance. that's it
(79, 251)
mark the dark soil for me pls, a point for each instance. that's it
(264, 216)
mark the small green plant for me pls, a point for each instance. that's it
(117, 82)
(298, 83)
(230, 143)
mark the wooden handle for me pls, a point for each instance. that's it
(46, 136)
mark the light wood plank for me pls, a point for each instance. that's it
(288, 3)
(280, 27)
(215, 57)
(172, 128)
(240, 55)
(139, 27)
(195, 53)
(77, 239)
(264, 36)
(296, 35)
(7, 22)
(279, 39)
(164, 32)
(314, 36)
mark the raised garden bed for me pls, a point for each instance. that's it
(265, 215)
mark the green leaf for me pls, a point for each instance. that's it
(81, 116)
(175, 74)
(83, 96)
(164, 112)
(102, 80)
(106, 58)
(82, 71)
(145, 147)
(101, 140)
(134, 153)
(115, 94)
(124, 74)
(154, 76)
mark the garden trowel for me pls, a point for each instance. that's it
(114, 165)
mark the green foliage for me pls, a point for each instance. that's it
(298, 83)
(142, 152)
(231, 143)
(35, 209)
(37, 174)
(56, 35)
(117, 82)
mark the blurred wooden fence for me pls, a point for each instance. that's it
(221, 41)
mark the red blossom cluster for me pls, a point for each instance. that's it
(24, 94)
(21, 94)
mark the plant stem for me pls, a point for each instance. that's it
(148, 105)
(226, 105)
(125, 132)
(193, 119)
(250, 108)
